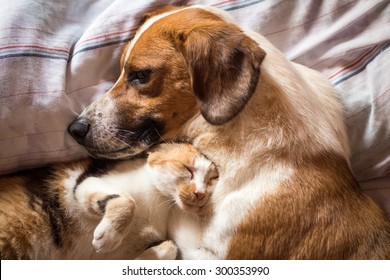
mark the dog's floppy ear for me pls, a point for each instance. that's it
(224, 65)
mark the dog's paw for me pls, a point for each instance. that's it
(106, 237)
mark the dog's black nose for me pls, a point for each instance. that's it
(79, 129)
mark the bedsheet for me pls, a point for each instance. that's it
(57, 56)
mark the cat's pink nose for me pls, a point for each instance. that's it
(199, 195)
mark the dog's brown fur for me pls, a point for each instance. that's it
(274, 129)
(285, 229)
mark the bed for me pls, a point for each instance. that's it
(57, 56)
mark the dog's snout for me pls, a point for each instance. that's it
(79, 129)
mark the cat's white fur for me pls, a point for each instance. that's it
(149, 221)
(150, 191)
(164, 180)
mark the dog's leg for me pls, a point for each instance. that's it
(116, 211)
(164, 251)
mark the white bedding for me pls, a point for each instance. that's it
(57, 56)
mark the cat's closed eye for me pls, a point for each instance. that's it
(213, 174)
(190, 171)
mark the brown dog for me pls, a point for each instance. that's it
(274, 128)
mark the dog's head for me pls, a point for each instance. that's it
(182, 62)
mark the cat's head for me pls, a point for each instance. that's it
(181, 172)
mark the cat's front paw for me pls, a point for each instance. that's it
(106, 238)
(115, 225)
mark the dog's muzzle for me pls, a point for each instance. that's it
(104, 140)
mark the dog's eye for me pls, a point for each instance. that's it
(139, 77)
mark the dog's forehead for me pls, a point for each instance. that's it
(148, 23)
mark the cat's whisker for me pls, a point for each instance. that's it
(169, 201)
(173, 203)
